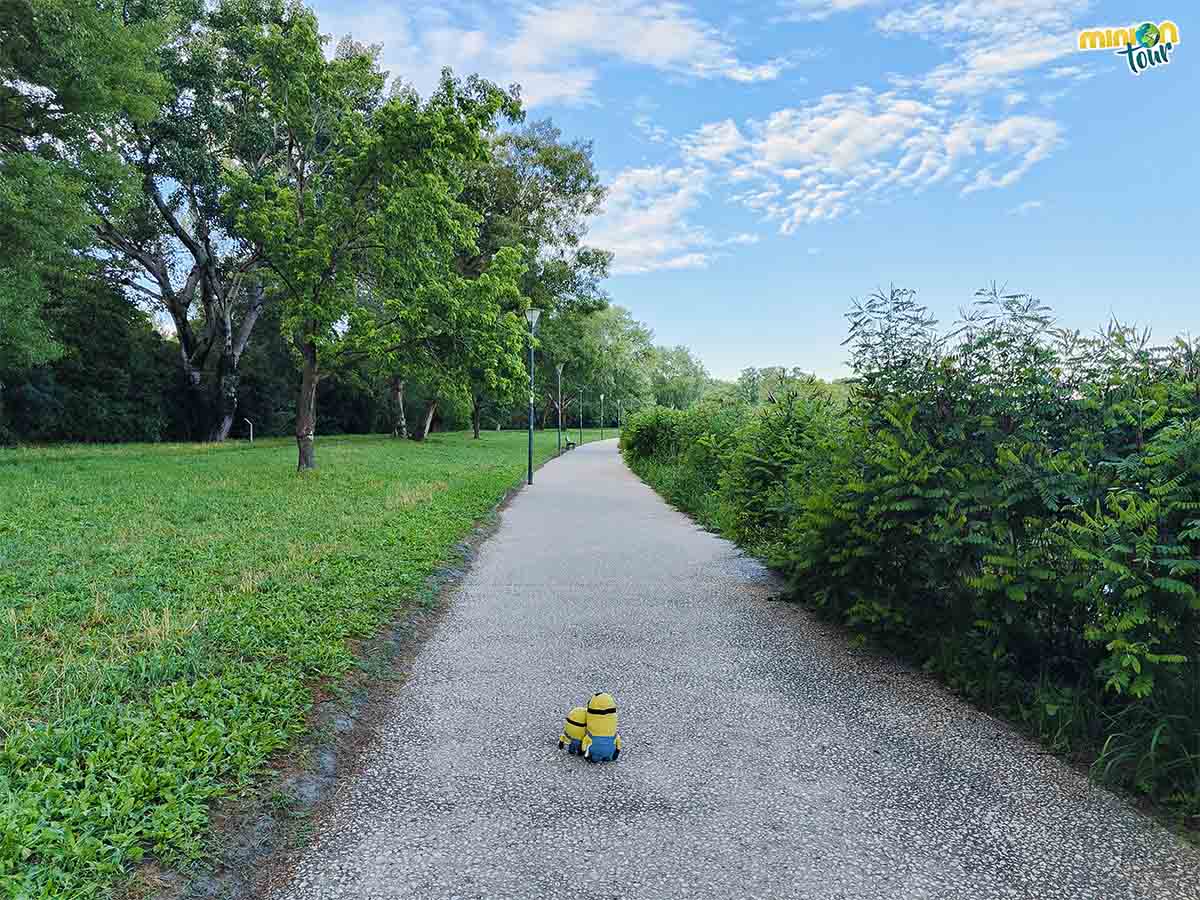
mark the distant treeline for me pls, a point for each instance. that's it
(364, 260)
(117, 378)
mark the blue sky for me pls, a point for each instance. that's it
(769, 161)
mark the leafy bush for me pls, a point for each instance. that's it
(1015, 504)
(685, 448)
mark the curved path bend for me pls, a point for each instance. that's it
(764, 756)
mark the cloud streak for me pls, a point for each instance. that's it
(647, 225)
(830, 158)
(554, 50)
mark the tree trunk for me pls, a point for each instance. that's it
(229, 375)
(428, 420)
(476, 413)
(228, 380)
(196, 402)
(306, 408)
(400, 424)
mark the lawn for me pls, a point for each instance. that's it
(165, 611)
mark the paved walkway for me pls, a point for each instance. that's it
(764, 758)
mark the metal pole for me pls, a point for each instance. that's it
(531, 403)
(601, 417)
(581, 417)
(560, 368)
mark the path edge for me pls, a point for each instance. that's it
(256, 835)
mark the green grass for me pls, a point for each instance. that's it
(165, 611)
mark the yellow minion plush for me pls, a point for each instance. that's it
(600, 740)
(573, 731)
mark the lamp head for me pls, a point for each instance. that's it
(532, 315)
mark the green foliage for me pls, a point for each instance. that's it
(606, 351)
(678, 378)
(681, 452)
(68, 68)
(110, 382)
(360, 203)
(165, 610)
(534, 193)
(90, 61)
(1014, 505)
(779, 457)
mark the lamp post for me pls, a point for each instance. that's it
(619, 402)
(581, 417)
(601, 417)
(560, 368)
(532, 316)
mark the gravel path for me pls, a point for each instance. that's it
(764, 757)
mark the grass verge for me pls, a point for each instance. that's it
(165, 611)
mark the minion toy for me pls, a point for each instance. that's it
(600, 740)
(573, 731)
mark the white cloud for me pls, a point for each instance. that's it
(1075, 73)
(714, 142)
(660, 35)
(653, 132)
(550, 49)
(989, 19)
(994, 40)
(1024, 209)
(816, 10)
(645, 221)
(984, 69)
(828, 159)
(1025, 140)
(741, 239)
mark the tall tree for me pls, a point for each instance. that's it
(491, 334)
(535, 193)
(361, 197)
(167, 222)
(606, 352)
(679, 378)
(68, 70)
(113, 376)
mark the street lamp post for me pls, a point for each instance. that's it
(532, 316)
(581, 417)
(619, 402)
(560, 368)
(601, 417)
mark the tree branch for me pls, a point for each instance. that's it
(180, 232)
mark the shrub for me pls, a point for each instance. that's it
(1015, 505)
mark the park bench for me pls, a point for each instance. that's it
(570, 445)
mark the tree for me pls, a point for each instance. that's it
(534, 194)
(469, 341)
(360, 198)
(165, 217)
(679, 378)
(112, 377)
(606, 352)
(491, 336)
(68, 69)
